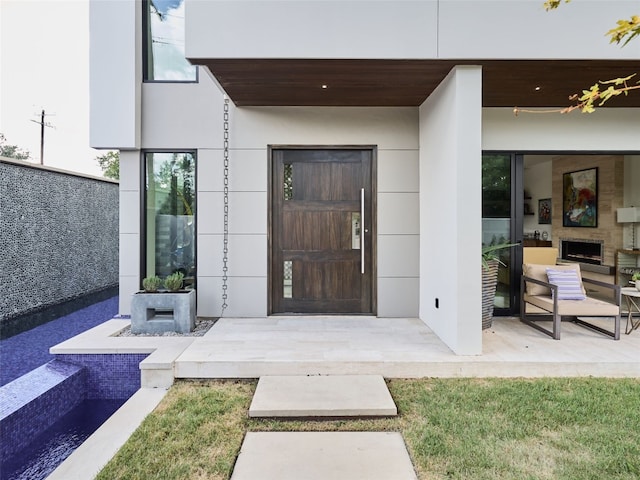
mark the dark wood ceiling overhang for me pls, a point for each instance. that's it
(506, 83)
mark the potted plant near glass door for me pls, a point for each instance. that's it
(490, 265)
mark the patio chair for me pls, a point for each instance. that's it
(558, 290)
(540, 255)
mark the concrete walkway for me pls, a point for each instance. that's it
(323, 455)
(398, 348)
(322, 396)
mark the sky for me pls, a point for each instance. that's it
(44, 64)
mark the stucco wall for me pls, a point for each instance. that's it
(59, 237)
(395, 133)
(450, 211)
(393, 130)
(608, 129)
(403, 29)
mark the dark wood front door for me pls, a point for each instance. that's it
(321, 257)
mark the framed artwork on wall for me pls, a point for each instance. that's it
(580, 198)
(544, 211)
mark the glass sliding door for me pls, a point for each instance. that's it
(501, 202)
(169, 234)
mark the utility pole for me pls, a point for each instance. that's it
(42, 124)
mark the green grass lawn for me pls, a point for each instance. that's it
(453, 428)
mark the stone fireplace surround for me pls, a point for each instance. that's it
(580, 250)
(609, 232)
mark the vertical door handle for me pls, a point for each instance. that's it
(362, 231)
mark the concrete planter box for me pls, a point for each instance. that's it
(163, 312)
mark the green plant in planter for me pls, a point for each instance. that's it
(635, 277)
(174, 281)
(490, 263)
(492, 252)
(151, 284)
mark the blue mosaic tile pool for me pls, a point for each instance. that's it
(50, 404)
(32, 403)
(52, 447)
(109, 376)
(36, 437)
(28, 350)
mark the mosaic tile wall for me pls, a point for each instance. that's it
(34, 402)
(59, 237)
(109, 376)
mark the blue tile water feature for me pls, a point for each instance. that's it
(50, 448)
(48, 408)
(25, 351)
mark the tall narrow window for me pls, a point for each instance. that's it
(496, 218)
(288, 181)
(170, 221)
(164, 56)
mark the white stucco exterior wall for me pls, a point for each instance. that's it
(130, 235)
(450, 211)
(330, 29)
(523, 29)
(115, 76)
(404, 29)
(182, 115)
(607, 129)
(393, 130)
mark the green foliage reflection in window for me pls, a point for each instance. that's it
(170, 215)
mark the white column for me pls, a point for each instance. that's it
(450, 210)
(115, 74)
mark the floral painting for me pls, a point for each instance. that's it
(580, 198)
(544, 211)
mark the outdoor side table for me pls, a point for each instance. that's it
(633, 298)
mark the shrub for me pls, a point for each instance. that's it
(174, 281)
(151, 284)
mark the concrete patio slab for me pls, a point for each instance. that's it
(399, 348)
(322, 396)
(322, 456)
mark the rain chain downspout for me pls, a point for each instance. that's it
(225, 234)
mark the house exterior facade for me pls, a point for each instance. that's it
(326, 156)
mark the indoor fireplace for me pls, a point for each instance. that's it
(584, 251)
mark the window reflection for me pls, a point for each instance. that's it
(170, 215)
(288, 181)
(496, 218)
(164, 42)
(287, 280)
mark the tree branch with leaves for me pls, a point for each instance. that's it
(603, 90)
(110, 164)
(12, 151)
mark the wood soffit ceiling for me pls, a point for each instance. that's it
(506, 83)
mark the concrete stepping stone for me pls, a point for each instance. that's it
(323, 456)
(322, 396)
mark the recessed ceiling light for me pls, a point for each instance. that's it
(538, 88)
(325, 86)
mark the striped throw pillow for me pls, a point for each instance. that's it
(569, 285)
